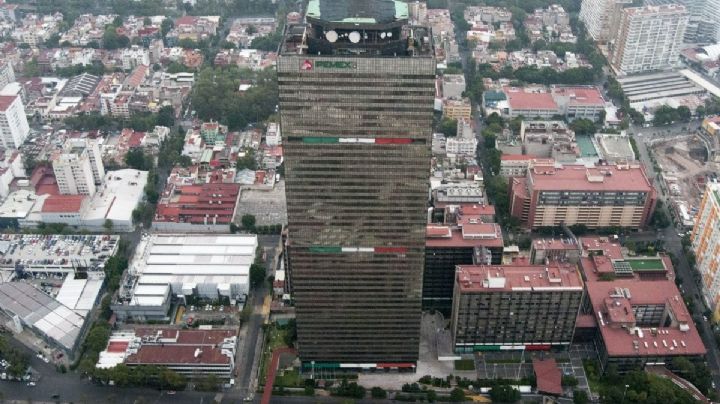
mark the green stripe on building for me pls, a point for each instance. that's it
(316, 140)
(486, 348)
(326, 249)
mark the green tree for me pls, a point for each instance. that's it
(257, 274)
(580, 397)
(166, 25)
(108, 226)
(457, 395)
(136, 158)
(448, 127)
(583, 126)
(248, 222)
(378, 392)
(504, 394)
(248, 161)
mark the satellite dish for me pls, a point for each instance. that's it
(354, 37)
(389, 34)
(331, 36)
(382, 35)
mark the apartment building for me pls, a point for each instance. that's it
(597, 15)
(601, 196)
(78, 167)
(515, 306)
(14, 127)
(706, 245)
(648, 38)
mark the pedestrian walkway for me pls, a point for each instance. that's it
(272, 370)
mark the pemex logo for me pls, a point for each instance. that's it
(307, 64)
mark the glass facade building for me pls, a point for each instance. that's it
(356, 116)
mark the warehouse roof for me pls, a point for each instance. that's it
(41, 312)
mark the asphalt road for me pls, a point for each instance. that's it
(673, 244)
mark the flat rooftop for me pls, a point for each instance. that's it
(368, 11)
(122, 190)
(555, 244)
(520, 276)
(613, 305)
(582, 178)
(521, 98)
(444, 236)
(56, 253)
(44, 314)
(170, 347)
(615, 146)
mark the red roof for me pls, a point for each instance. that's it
(598, 178)
(517, 157)
(177, 354)
(548, 376)
(186, 20)
(117, 346)
(581, 95)
(433, 239)
(519, 99)
(63, 204)
(616, 318)
(5, 101)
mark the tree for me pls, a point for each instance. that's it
(580, 397)
(683, 113)
(583, 126)
(166, 25)
(457, 395)
(135, 158)
(431, 396)
(257, 274)
(108, 225)
(248, 161)
(378, 392)
(248, 222)
(504, 394)
(448, 127)
(309, 391)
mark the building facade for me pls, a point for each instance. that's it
(447, 247)
(357, 179)
(597, 15)
(600, 196)
(79, 167)
(516, 306)
(706, 245)
(648, 38)
(14, 127)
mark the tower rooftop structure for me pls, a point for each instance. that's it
(352, 28)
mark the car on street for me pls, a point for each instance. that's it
(31, 384)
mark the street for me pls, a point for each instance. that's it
(673, 244)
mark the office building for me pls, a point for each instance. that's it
(597, 15)
(648, 38)
(515, 306)
(599, 196)
(449, 246)
(75, 170)
(706, 245)
(357, 179)
(14, 127)
(634, 312)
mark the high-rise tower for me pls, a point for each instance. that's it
(356, 103)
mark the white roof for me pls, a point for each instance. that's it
(118, 197)
(151, 290)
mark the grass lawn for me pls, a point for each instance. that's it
(274, 338)
(646, 264)
(465, 364)
(290, 378)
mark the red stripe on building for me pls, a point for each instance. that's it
(537, 347)
(390, 249)
(385, 140)
(396, 365)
